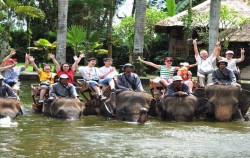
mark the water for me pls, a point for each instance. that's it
(93, 136)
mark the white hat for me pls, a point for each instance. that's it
(1, 77)
(177, 78)
(64, 76)
(184, 64)
(229, 52)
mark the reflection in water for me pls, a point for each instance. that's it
(93, 136)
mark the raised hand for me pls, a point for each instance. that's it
(139, 58)
(195, 42)
(31, 59)
(75, 58)
(52, 56)
(81, 55)
(12, 52)
(242, 50)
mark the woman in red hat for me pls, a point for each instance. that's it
(166, 71)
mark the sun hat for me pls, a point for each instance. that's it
(127, 65)
(221, 61)
(177, 78)
(229, 52)
(64, 76)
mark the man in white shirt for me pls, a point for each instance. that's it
(205, 64)
(233, 61)
(90, 74)
(107, 73)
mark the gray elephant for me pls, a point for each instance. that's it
(222, 103)
(127, 106)
(176, 108)
(10, 107)
(68, 108)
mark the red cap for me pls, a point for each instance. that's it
(10, 60)
(168, 58)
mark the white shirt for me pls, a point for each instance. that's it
(89, 73)
(205, 65)
(231, 64)
(104, 70)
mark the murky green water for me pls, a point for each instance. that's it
(95, 136)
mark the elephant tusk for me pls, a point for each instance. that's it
(105, 105)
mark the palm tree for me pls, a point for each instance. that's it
(140, 16)
(214, 22)
(62, 31)
(76, 37)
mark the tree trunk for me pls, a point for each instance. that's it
(214, 22)
(110, 29)
(62, 31)
(140, 16)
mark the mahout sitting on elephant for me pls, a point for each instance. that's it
(222, 103)
(127, 105)
(178, 104)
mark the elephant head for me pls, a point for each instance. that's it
(129, 106)
(68, 108)
(10, 107)
(223, 100)
(177, 108)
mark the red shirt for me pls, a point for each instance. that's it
(70, 73)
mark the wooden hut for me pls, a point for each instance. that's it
(173, 26)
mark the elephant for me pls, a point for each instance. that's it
(131, 106)
(68, 108)
(222, 103)
(176, 108)
(10, 107)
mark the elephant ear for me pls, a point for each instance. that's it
(244, 101)
(199, 92)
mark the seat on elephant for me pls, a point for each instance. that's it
(86, 90)
(156, 89)
(35, 93)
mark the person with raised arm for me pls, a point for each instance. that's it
(65, 68)
(166, 71)
(47, 78)
(11, 72)
(205, 64)
(233, 61)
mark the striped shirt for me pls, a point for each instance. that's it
(167, 73)
(13, 73)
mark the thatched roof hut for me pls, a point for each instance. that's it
(237, 35)
(240, 6)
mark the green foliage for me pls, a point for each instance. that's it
(229, 18)
(30, 11)
(171, 7)
(76, 37)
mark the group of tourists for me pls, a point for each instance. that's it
(179, 85)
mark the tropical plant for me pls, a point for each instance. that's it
(44, 46)
(11, 11)
(171, 7)
(76, 37)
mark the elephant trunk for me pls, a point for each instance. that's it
(223, 112)
(143, 115)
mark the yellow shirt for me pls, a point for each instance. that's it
(44, 76)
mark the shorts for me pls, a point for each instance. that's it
(105, 81)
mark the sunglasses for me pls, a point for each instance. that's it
(169, 61)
